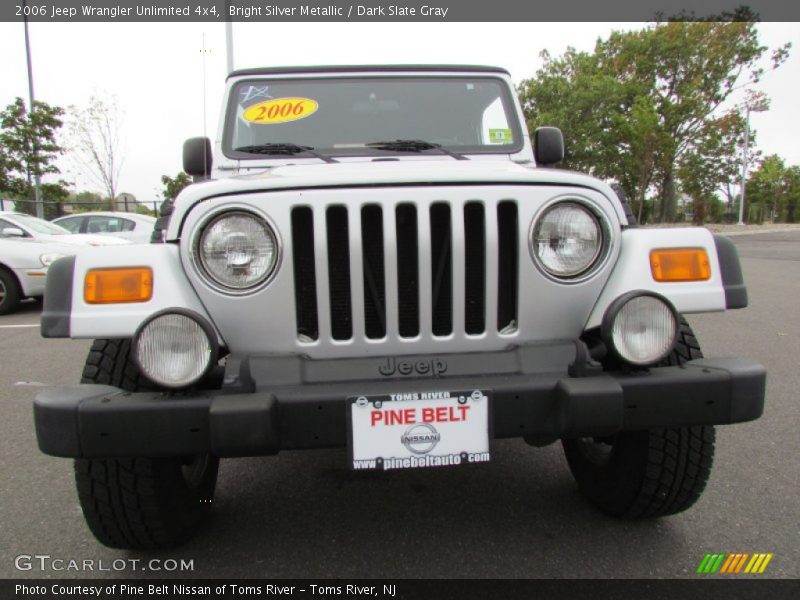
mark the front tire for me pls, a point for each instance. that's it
(650, 473)
(140, 503)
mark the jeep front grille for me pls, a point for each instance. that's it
(374, 285)
(405, 271)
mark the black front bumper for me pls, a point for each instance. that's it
(268, 403)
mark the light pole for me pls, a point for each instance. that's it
(228, 37)
(744, 163)
(36, 179)
(752, 105)
(204, 51)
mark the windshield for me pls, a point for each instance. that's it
(356, 116)
(38, 225)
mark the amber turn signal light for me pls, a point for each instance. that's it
(110, 286)
(680, 264)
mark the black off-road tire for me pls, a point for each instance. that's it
(110, 362)
(10, 294)
(140, 503)
(651, 473)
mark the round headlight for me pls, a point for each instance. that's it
(641, 328)
(567, 239)
(175, 350)
(238, 250)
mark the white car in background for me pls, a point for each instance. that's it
(23, 268)
(130, 226)
(21, 225)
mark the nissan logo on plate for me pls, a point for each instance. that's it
(420, 439)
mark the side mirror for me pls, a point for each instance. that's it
(13, 232)
(197, 157)
(548, 146)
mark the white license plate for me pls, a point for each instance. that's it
(418, 429)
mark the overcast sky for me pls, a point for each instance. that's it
(156, 71)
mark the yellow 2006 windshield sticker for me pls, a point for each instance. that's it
(280, 110)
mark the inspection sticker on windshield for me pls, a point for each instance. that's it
(419, 429)
(500, 136)
(280, 110)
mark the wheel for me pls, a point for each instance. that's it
(140, 503)
(10, 293)
(651, 473)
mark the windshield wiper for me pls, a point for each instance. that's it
(414, 146)
(284, 149)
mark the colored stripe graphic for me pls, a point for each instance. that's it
(726, 566)
(703, 563)
(709, 568)
(734, 562)
(753, 560)
(759, 563)
(718, 563)
(741, 562)
(766, 562)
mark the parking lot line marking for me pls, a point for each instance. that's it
(19, 326)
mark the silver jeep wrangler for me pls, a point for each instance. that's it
(380, 259)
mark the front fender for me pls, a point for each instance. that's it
(67, 314)
(632, 272)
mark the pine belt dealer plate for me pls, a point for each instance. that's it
(418, 429)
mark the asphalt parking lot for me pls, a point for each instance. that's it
(303, 514)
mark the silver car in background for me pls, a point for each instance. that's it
(130, 226)
(22, 225)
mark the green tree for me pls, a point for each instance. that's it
(86, 201)
(6, 168)
(29, 149)
(173, 185)
(646, 102)
(691, 69)
(608, 121)
(712, 162)
(774, 189)
(792, 189)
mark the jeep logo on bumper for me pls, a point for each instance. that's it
(433, 367)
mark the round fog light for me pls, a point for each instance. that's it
(641, 328)
(175, 349)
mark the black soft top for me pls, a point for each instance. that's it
(366, 68)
